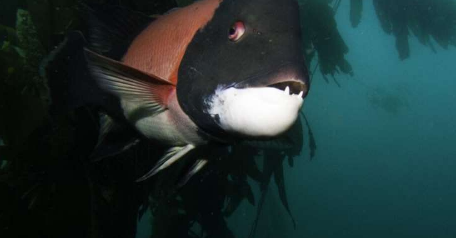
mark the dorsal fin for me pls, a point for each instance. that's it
(111, 29)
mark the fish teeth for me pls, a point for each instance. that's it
(287, 90)
(300, 94)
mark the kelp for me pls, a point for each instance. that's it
(272, 167)
(279, 180)
(356, 11)
(427, 20)
(22, 91)
(200, 203)
(322, 38)
(9, 34)
(312, 142)
(52, 19)
(34, 53)
(273, 160)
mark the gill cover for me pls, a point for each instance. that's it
(269, 49)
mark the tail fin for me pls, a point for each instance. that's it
(68, 76)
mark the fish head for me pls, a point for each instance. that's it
(243, 74)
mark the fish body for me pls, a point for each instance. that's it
(158, 50)
(215, 70)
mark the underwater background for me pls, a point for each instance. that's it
(378, 156)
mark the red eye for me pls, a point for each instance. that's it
(236, 31)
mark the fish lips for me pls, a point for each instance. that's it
(291, 75)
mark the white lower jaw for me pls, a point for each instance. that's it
(255, 112)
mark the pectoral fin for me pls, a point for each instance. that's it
(171, 156)
(196, 167)
(150, 92)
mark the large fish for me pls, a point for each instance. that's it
(214, 71)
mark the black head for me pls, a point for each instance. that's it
(247, 44)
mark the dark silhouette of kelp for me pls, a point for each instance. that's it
(322, 38)
(356, 11)
(431, 19)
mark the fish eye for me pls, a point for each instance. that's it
(236, 31)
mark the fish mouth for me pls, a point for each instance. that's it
(292, 87)
(288, 77)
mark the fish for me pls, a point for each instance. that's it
(213, 72)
